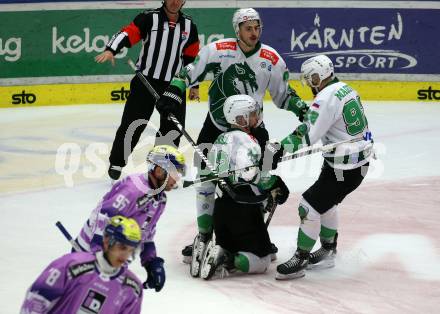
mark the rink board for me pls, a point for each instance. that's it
(117, 92)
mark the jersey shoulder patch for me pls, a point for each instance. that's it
(81, 268)
(269, 55)
(226, 45)
(132, 283)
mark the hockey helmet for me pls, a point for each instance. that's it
(168, 158)
(124, 230)
(316, 69)
(239, 106)
(243, 15)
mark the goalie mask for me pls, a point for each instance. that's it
(240, 106)
(315, 70)
(243, 15)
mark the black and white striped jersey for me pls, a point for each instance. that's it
(166, 46)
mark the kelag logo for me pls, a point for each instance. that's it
(120, 94)
(10, 48)
(429, 94)
(23, 98)
(343, 43)
(76, 43)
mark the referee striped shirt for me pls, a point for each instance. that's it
(166, 45)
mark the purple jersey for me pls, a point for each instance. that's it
(77, 283)
(130, 198)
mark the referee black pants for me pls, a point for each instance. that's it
(140, 105)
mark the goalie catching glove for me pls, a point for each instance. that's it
(170, 100)
(156, 274)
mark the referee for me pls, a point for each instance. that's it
(169, 41)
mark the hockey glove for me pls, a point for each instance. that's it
(283, 191)
(156, 274)
(170, 100)
(297, 105)
(272, 155)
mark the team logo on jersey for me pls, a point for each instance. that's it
(184, 35)
(228, 45)
(239, 78)
(269, 55)
(93, 302)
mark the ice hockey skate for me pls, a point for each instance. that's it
(295, 267)
(187, 254)
(114, 172)
(213, 262)
(324, 257)
(198, 250)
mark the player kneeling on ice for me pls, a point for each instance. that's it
(336, 115)
(241, 239)
(141, 197)
(85, 282)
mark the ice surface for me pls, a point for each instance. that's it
(389, 249)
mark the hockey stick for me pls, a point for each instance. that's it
(273, 206)
(221, 182)
(305, 152)
(67, 235)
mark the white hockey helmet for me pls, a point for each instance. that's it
(239, 106)
(316, 69)
(243, 15)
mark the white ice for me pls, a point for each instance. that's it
(389, 250)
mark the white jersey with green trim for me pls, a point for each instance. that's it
(236, 72)
(237, 149)
(337, 115)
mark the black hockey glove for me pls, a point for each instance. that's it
(282, 193)
(271, 157)
(156, 274)
(170, 100)
(302, 111)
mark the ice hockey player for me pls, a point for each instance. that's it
(241, 238)
(241, 65)
(335, 115)
(86, 282)
(141, 197)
